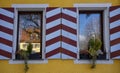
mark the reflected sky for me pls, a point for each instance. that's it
(27, 20)
(87, 20)
(88, 24)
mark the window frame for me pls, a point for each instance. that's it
(28, 7)
(18, 29)
(105, 8)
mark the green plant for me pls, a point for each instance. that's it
(29, 48)
(24, 54)
(94, 46)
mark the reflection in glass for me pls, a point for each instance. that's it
(89, 25)
(30, 29)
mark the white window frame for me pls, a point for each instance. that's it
(105, 8)
(28, 7)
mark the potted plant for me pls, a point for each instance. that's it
(24, 54)
(94, 48)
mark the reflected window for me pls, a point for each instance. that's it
(30, 31)
(90, 24)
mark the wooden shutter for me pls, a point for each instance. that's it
(6, 32)
(115, 32)
(69, 33)
(53, 33)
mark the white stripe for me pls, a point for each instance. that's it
(115, 24)
(69, 47)
(69, 12)
(115, 47)
(69, 23)
(6, 13)
(6, 24)
(118, 57)
(69, 35)
(53, 23)
(3, 57)
(53, 12)
(52, 47)
(64, 56)
(92, 5)
(6, 48)
(53, 35)
(30, 5)
(6, 36)
(115, 36)
(115, 12)
(56, 56)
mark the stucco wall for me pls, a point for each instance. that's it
(55, 3)
(58, 66)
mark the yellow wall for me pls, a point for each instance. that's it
(58, 66)
(55, 3)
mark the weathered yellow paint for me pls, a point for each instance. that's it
(58, 66)
(55, 3)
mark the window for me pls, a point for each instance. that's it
(30, 31)
(93, 19)
(28, 27)
(90, 25)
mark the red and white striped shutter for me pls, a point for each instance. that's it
(69, 33)
(115, 32)
(53, 33)
(6, 32)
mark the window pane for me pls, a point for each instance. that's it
(90, 24)
(30, 26)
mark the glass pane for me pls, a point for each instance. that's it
(89, 25)
(30, 30)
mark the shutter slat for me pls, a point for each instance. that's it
(115, 32)
(53, 33)
(6, 32)
(69, 36)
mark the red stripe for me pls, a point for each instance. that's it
(69, 53)
(71, 30)
(54, 40)
(53, 52)
(51, 8)
(51, 30)
(114, 30)
(6, 30)
(5, 18)
(69, 41)
(114, 8)
(114, 42)
(115, 54)
(50, 19)
(115, 18)
(71, 9)
(5, 54)
(9, 9)
(70, 18)
(7, 42)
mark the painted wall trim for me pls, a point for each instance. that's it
(29, 62)
(30, 5)
(97, 62)
(92, 4)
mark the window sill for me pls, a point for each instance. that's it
(29, 62)
(97, 62)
